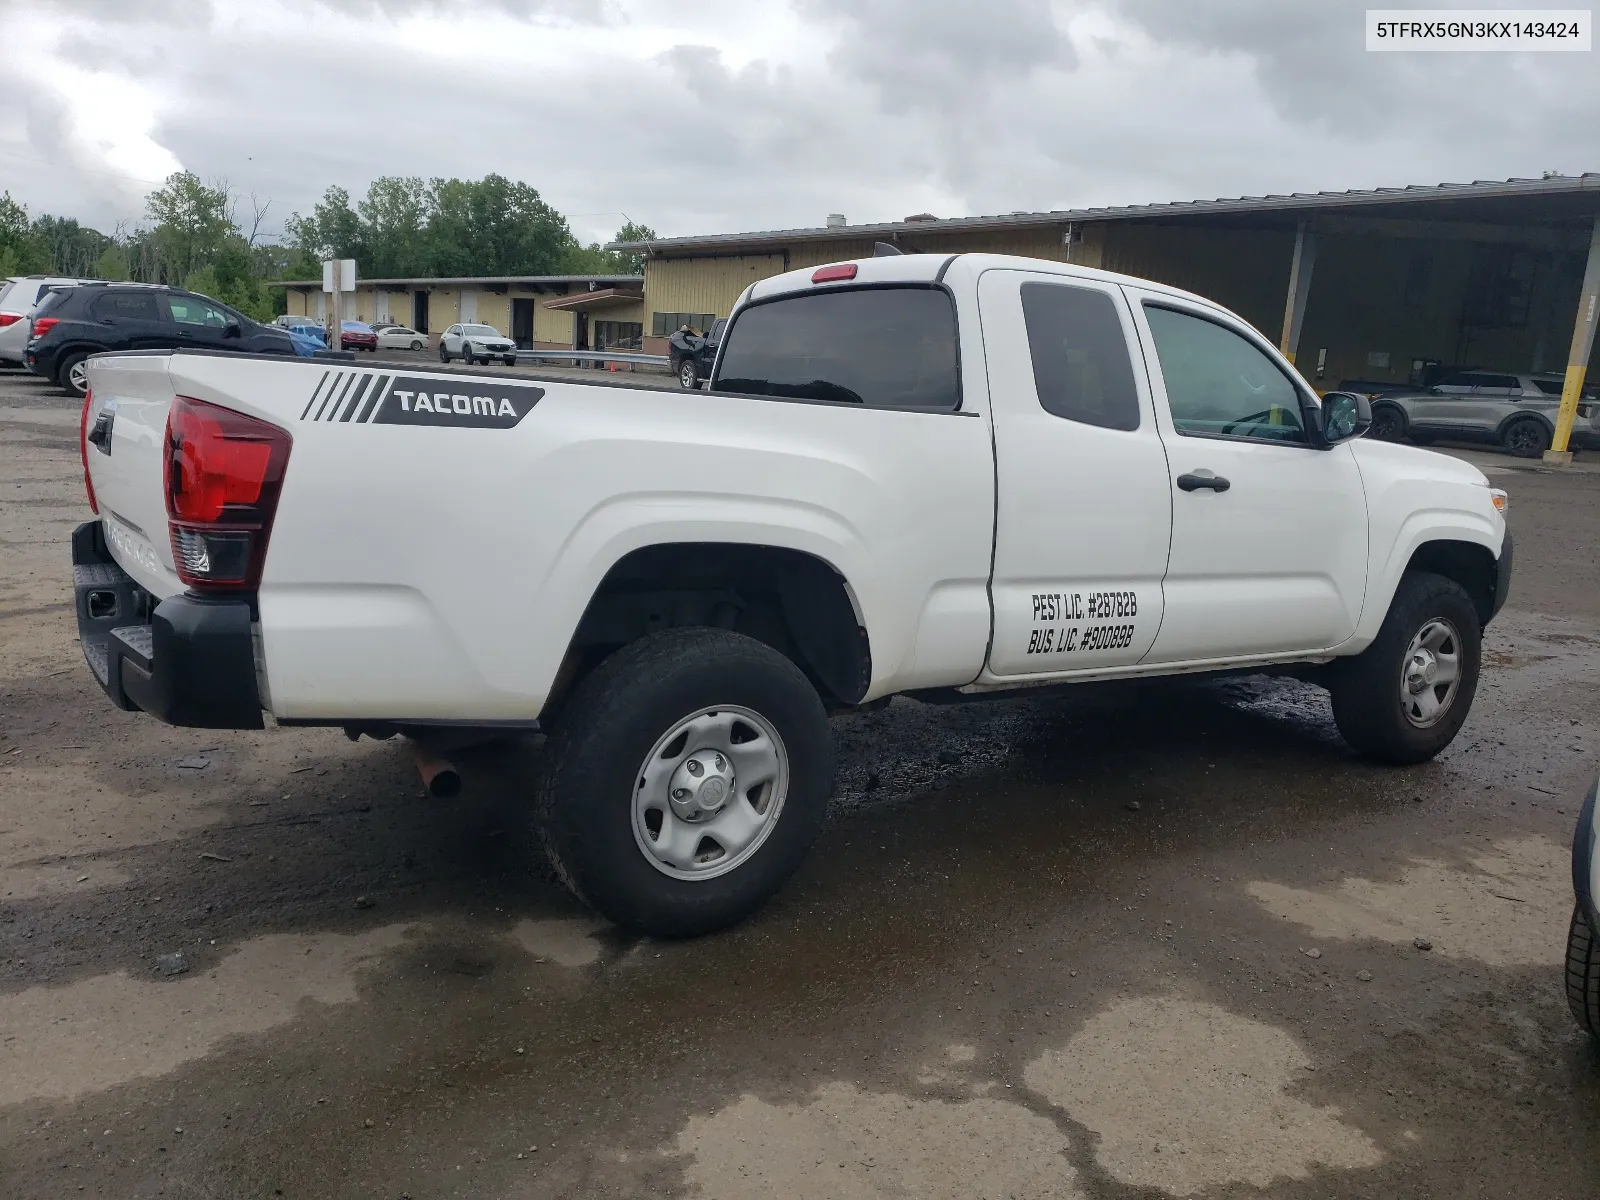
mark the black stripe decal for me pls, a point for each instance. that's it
(355, 398)
(321, 408)
(314, 392)
(374, 398)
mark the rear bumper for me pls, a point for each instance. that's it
(184, 660)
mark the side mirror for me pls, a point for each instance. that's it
(1345, 415)
(232, 330)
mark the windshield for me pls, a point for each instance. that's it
(480, 331)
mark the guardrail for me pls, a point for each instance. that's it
(624, 356)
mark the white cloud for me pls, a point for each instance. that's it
(726, 115)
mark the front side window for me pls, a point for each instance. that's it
(191, 310)
(877, 347)
(1219, 383)
(1081, 367)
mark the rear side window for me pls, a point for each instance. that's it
(127, 306)
(1550, 387)
(1081, 366)
(877, 347)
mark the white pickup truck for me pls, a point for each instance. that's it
(938, 475)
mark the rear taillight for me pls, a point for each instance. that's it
(223, 471)
(43, 325)
(9, 319)
(83, 449)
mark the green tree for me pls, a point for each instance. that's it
(192, 221)
(632, 264)
(394, 219)
(333, 230)
(21, 252)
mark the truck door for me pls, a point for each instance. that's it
(1084, 505)
(1269, 533)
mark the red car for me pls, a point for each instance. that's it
(355, 335)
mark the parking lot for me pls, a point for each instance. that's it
(1173, 941)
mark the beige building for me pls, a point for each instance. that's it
(1384, 286)
(543, 312)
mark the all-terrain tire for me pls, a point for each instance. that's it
(1583, 973)
(584, 795)
(1366, 688)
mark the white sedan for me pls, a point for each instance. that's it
(398, 337)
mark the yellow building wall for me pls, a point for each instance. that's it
(300, 303)
(702, 285)
(551, 325)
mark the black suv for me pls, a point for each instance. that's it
(74, 322)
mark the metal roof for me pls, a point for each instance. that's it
(1587, 184)
(470, 280)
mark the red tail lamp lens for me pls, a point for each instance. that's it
(223, 473)
(83, 449)
(43, 325)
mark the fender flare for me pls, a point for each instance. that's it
(1418, 530)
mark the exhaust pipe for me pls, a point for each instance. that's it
(439, 775)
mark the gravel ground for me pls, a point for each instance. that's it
(1122, 944)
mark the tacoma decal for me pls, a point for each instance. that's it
(381, 398)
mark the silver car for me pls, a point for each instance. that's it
(1516, 411)
(19, 295)
(477, 343)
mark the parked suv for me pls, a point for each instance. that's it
(18, 296)
(1517, 411)
(74, 323)
(477, 343)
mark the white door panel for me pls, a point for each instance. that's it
(1085, 511)
(1276, 563)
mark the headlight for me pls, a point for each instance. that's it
(1500, 500)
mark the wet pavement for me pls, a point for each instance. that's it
(1143, 942)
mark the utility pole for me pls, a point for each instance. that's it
(1578, 357)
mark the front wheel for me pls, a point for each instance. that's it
(1404, 698)
(684, 781)
(444, 355)
(510, 360)
(1583, 973)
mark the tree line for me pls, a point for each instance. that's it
(197, 235)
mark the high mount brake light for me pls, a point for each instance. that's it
(222, 471)
(834, 274)
(83, 449)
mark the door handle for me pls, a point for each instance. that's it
(1190, 482)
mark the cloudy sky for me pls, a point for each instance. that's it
(703, 116)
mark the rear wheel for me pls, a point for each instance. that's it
(688, 374)
(73, 375)
(684, 781)
(1404, 698)
(1583, 972)
(1527, 438)
(1388, 423)
(416, 344)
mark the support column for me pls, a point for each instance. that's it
(1294, 308)
(1578, 356)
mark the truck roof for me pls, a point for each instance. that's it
(933, 268)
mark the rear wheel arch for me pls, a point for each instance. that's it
(788, 599)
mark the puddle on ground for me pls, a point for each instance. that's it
(849, 1144)
(1185, 1096)
(1508, 910)
(64, 1042)
(569, 941)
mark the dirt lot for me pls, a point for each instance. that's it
(1131, 945)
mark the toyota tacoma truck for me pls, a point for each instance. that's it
(937, 475)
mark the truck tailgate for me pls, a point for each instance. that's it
(127, 416)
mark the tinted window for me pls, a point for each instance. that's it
(1461, 379)
(1550, 387)
(881, 347)
(1081, 367)
(127, 306)
(1499, 381)
(1221, 384)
